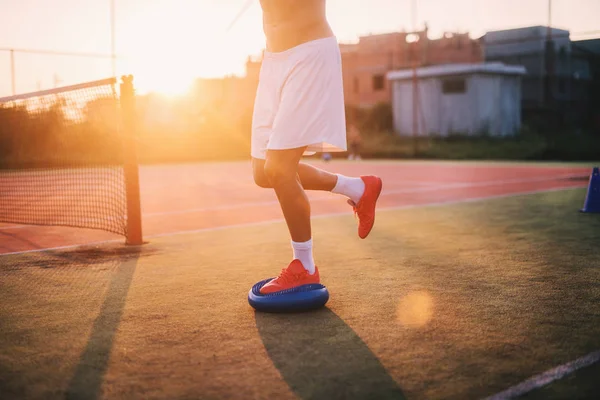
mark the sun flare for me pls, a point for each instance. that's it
(169, 47)
(415, 309)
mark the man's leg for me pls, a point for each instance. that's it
(313, 178)
(281, 170)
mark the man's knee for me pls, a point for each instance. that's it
(278, 172)
(261, 180)
(258, 172)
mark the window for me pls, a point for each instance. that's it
(378, 82)
(455, 85)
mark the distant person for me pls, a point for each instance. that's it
(299, 110)
(355, 141)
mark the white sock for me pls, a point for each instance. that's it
(303, 252)
(353, 188)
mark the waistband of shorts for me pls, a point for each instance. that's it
(300, 47)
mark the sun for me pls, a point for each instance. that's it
(174, 73)
(164, 75)
(167, 48)
(168, 69)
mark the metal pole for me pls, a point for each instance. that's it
(131, 165)
(549, 61)
(549, 31)
(415, 116)
(113, 51)
(241, 12)
(12, 72)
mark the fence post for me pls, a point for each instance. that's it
(130, 162)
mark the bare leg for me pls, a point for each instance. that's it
(311, 178)
(281, 170)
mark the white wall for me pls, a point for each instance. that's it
(490, 103)
(499, 102)
(402, 103)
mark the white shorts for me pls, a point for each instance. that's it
(300, 100)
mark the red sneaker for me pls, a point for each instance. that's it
(292, 276)
(365, 209)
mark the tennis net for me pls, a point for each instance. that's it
(63, 158)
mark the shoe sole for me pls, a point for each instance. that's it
(380, 182)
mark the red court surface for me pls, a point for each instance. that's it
(186, 198)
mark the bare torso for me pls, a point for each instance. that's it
(288, 23)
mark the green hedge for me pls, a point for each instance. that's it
(376, 126)
(525, 146)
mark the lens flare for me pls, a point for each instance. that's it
(415, 309)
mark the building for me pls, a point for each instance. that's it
(366, 63)
(585, 85)
(231, 92)
(233, 95)
(364, 66)
(468, 99)
(556, 87)
(528, 47)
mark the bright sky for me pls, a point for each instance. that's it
(169, 42)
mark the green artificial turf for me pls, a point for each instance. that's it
(459, 301)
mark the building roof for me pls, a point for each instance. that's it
(525, 32)
(591, 46)
(495, 68)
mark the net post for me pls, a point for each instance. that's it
(130, 163)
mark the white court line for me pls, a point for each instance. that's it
(547, 377)
(440, 185)
(272, 221)
(393, 208)
(428, 187)
(2, 228)
(383, 193)
(71, 246)
(425, 183)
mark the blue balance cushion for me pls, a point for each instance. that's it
(301, 298)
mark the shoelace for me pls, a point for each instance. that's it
(286, 276)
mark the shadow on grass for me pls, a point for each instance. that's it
(93, 362)
(321, 357)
